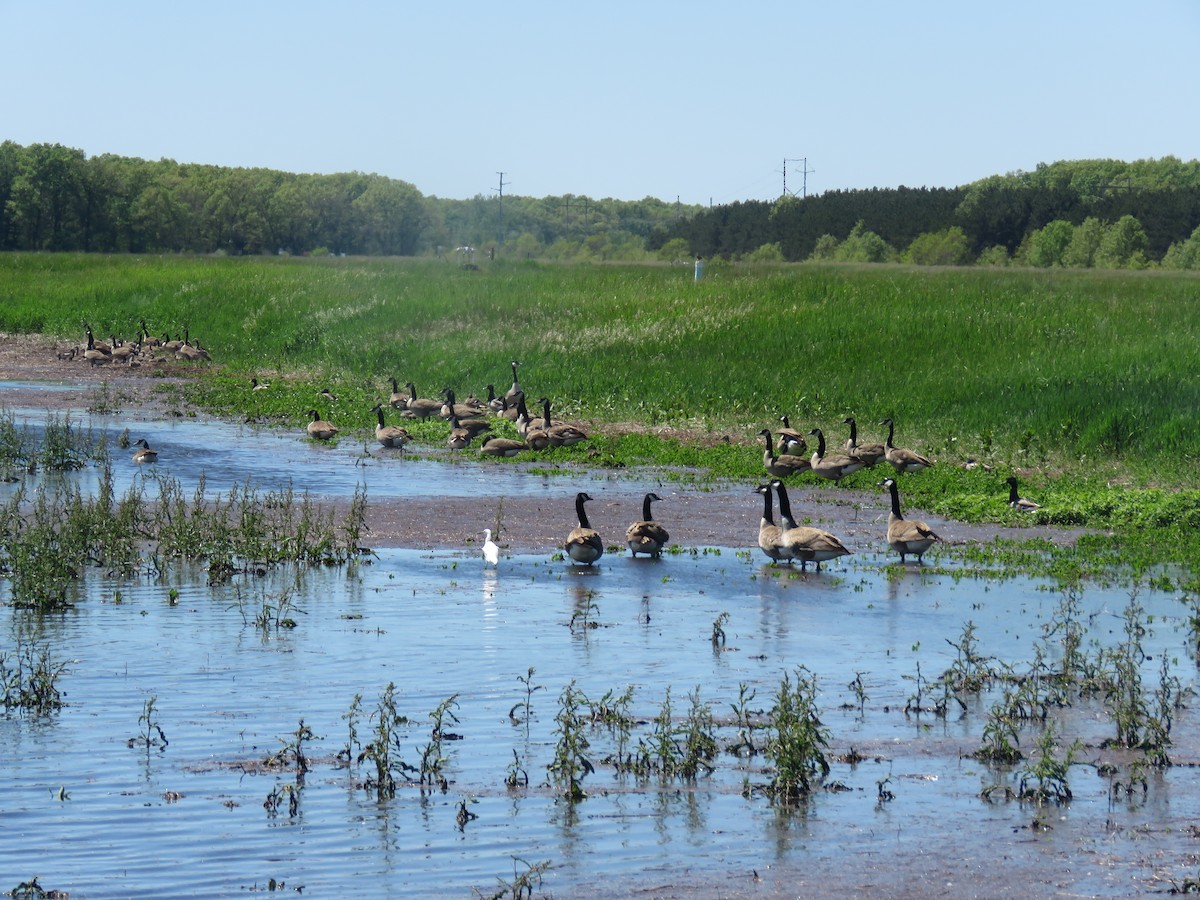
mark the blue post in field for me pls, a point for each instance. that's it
(699, 268)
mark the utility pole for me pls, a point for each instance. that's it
(804, 169)
(501, 198)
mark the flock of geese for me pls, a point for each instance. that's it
(145, 348)
(788, 542)
(468, 420)
(785, 453)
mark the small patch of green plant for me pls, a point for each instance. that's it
(526, 705)
(746, 720)
(969, 673)
(718, 630)
(524, 881)
(150, 733)
(584, 617)
(516, 777)
(571, 764)
(291, 754)
(860, 692)
(383, 749)
(351, 717)
(797, 741)
(29, 679)
(279, 793)
(1044, 778)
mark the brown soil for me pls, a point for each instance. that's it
(721, 515)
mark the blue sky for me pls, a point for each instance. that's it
(701, 101)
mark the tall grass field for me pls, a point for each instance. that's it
(1078, 375)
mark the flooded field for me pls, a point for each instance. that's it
(173, 768)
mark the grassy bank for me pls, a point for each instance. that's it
(1086, 382)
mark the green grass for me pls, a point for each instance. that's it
(1087, 382)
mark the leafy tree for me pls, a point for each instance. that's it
(1123, 245)
(674, 250)
(1085, 241)
(1048, 245)
(940, 248)
(826, 248)
(994, 256)
(767, 253)
(864, 246)
(1184, 254)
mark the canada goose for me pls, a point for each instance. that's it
(69, 354)
(868, 453)
(803, 542)
(790, 440)
(389, 435)
(318, 428)
(462, 410)
(561, 435)
(646, 535)
(834, 466)
(781, 466)
(583, 542)
(906, 535)
(256, 385)
(420, 407)
(537, 439)
(501, 446)
(498, 405)
(147, 339)
(463, 431)
(1016, 501)
(399, 399)
(769, 534)
(172, 346)
(144, 455)
(94, 354)
(93, 344)
(515, 391)
(126, 353)
(524, 422)
(902, 460)
(491, 552)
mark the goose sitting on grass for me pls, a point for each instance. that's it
(1016, 501)
(646, 535)
(906, 535)
(902, 460)
(833, 466)
(781, 465)
(583, 543)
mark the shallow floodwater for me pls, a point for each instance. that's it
(89, 814)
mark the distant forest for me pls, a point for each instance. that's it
(1102, 213)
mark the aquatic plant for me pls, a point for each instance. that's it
(351, 716)
(291, 754)
(718, 630)
(150, 733)
(969, 672)
(383, 749)
(570, 764)
(29, 679)
(524, 881)
(1044, 779)
(526, 705)
(796, 740)
(746, 720)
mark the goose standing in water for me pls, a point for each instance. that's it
(902, 460)
(781, 465)
(389, 435)
(770, 535)
(1016, 501)
(318, 428)
(906, 535)
(583, 542)
(801, 541)
(834, 466)
(145, 454)
(646, 535)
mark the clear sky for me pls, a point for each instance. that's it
(700, 101)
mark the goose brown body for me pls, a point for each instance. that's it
(902, 460)
(318, 428)
(781, 465)
(809, 545)
(833, 466)
(770, 535)
(906, 536)
(583, 542)
(646, 535)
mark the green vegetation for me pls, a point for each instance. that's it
(1084, 381)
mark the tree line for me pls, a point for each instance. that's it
(57, 198)
(1082, 213)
